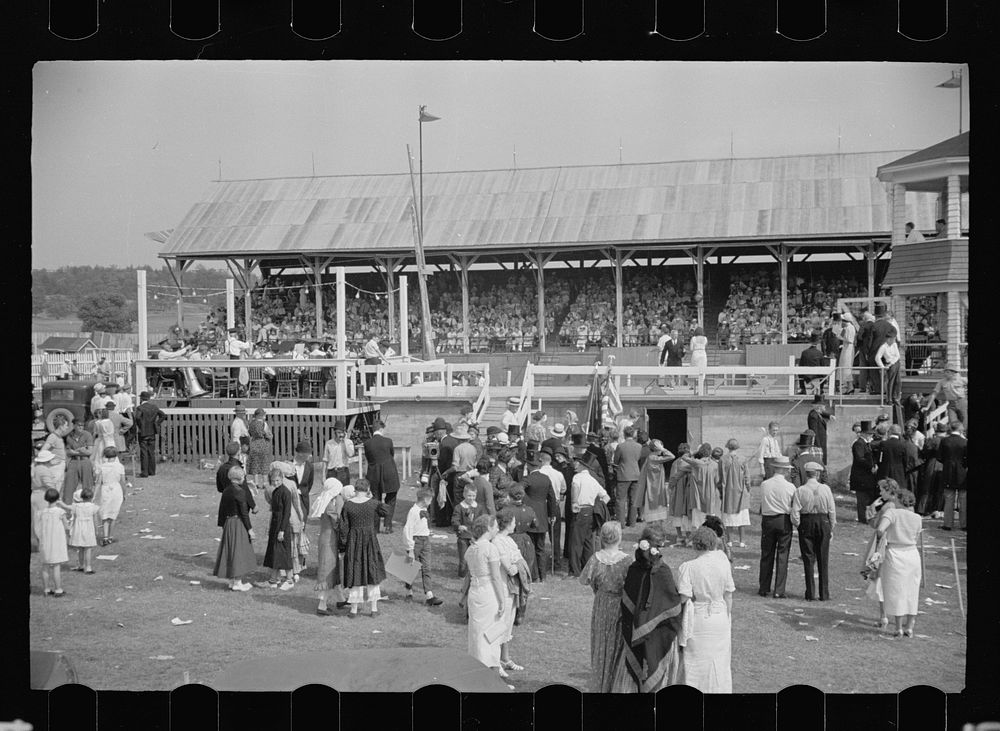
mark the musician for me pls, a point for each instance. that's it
(167, 352)
(204, 375)
(337, 453)
(235, 348)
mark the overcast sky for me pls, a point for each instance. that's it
(122, 148)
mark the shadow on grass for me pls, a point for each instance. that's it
(301, 603)
(206, 562)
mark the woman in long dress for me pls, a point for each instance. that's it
(364, 568)
(706, 583)
(104, 435)
(888, 494)
(651, 617)
(110, 491)
(236, 557)
(514, 570)
(261, 453)
(849, 334)
(278, 555)
(705, 478)
(654, 476)
(699, 354)
(735, 479)
(487, 595)
(327, 507)
(900, 571)
(605, 575)
(681, 496)
(524, 518)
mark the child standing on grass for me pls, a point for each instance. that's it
(82, 534)
(461, 520)
(52, 541)
(417, 536)
(278, 556)
(111, 490)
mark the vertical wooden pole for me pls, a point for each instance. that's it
(143, 344)
(247, 307)
(404, 316)
(180, 295)
(616, 262)
(317, 283)
(341, 341)
(783, 265)
(870, 263)
(953, 212)
(390, 281)
(464, 275)
(540, 279)
(230, 303)
(700, 265)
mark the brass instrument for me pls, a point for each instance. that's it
(191, 384)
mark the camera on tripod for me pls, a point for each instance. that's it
(431, 449)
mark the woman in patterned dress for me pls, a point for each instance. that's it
(328, 507)
(261, 453)
(364, 568)
(605, 574)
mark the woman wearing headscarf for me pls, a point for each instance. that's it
(654, 476)
(605, 575)
(327, 507)
(900, 572)
(364, 568)
(735, 480)
(298, 545)
(651, 621)
(681, 495)
(706, 584)
(705, 478)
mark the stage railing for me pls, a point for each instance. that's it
(429, 378)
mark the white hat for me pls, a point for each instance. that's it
(461, 431)
(98, 387)
(502, 438)
(513, 401)
(44, 456)
(558, 430)
(812, 467)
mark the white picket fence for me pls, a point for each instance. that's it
(47, 366)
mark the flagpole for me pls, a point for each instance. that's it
(420, 125)
(425, 309)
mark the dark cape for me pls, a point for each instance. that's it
(651, 621)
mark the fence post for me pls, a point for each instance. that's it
(791, 376)
(447, 380)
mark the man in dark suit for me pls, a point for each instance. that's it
(558, 438)
(953, 455)
(446, 456)
(303, 472)
(148, 418)
(880, 331)
(222, 474)
(862, 479)
(890, 454)
(627, 486)
(382, 473)
(597, 460)
(540, 497)
(817, 421)
(675, 355)
(866, 355)
(812, 357)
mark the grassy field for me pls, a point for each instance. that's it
(158, 321)
(112, 623)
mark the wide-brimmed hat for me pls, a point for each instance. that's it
(240, 410)
(513, 401)
(502, 438)
(44, 456)
(340, 425)
(813, 467)
(782, 462)
(492, 431)
(558, 430)
(461, 431)
(439, 424)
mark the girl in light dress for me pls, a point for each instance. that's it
(104, 436)
(52, 541)
(512, 566)
(82, 534)
(110, 491)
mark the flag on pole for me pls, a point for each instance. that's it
(955, 82)
(527, 389)
(425, 117)
(593, 419)
(611, 403)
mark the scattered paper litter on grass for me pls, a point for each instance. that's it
(803, 624)
(942, 586)
(923, 637)
(810, 638)
(770, 611)
(183, 495)
(145, 530)
(848, 553)
(848, 611)
(545, 598)
(161, 657)
(200, 553)
(790, 657)
(539, 632)
(376, 631)
(195, 583)
(120, 624)
(204, 516)
(129, 587)
(217, 540)
(149, 522)
(741, 568)
(176, 515)
(798, 610)
(839, 622)
(177, 621)
(107, 557)
(158, 578)
(118, 599)
(848, 588)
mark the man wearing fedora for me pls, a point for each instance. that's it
(817, 420)
(814, 513)
(626, 462)
(862, 480)
(337, 454)
(776, 495)
(547, 458)
(464, 458)
(540, 496)
(382, 474)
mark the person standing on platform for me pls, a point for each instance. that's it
(848, 337)
(626, 460)
(509, 417)
(234, 350)
(867, 380)
(654, 480)
(540, 496)
(337, 454)
(887, 358)
(770, 448)
(148, 418)
(373, 356)
(814, 513)
(817, 420)
(776, 494)
(862, 478)
(382, 476)
(446, 456)
(953, 455)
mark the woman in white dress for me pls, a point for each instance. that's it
(110, 486)
(699, 356)
(848, 335)
(512, 564)
(888, 494)
(706, 582)
(104, 436)
(900, 571)
(487, 594)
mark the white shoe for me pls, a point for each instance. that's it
(241, 587)
(287, 585)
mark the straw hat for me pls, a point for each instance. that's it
(44, 456)
(461, 431)
(558, 430)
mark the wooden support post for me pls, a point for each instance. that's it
(404, 317)
(464, 275)
(870, 255)
(143, 349)
(540, 261)
(783, 264)
(953, 212)
(341, 339)
(247, 307)
(616, 265)
(230, 302)
(700, 266)
(390, 285)
(318, 285)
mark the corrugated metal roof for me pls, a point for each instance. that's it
(957, 146)
(635, 204)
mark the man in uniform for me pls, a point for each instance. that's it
(862, 478)
(776, 494)
(814, 513)
(148, 419)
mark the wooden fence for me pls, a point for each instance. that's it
(46, 366)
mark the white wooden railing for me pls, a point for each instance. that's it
(433, 378)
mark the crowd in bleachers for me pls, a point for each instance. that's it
(752, 313)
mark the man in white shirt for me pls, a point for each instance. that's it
(235, 346)
(509, 416)
(776, 495)
(912, 235)
(545, 457)
(337, 454)
(102, 370)
(887, 358)
(814, 513)
(239, 430)
(373, 356)
(585, 491)
(770, 448)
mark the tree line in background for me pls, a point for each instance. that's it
(104, 297)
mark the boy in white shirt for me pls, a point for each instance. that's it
(417, 536)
